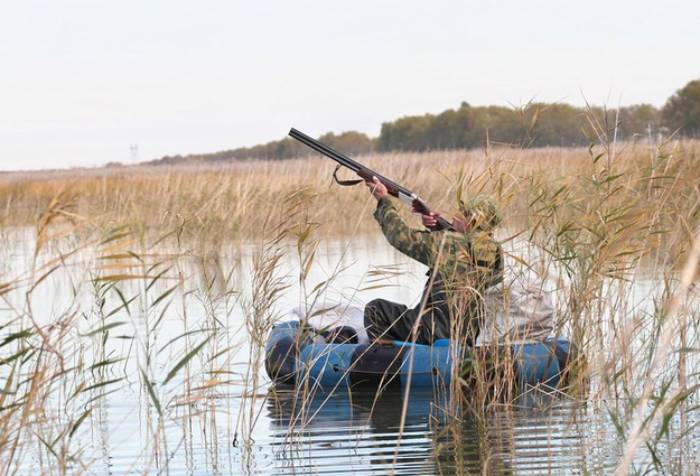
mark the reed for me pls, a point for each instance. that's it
(230, 201)
(149, 246)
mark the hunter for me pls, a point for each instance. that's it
(462, 264)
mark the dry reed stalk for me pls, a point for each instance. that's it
(640, 424)
(227, 201)
(597, 217)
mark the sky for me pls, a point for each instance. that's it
(82, 82)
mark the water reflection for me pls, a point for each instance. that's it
(360, 433)
(341, 433)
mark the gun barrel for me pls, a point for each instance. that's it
(324, 149)
(356, 167)
(394, 188)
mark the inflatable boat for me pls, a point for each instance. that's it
(294, 356)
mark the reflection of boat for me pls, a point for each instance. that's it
(361, 432)
(309, 408)
(358, 432)
(293, 357)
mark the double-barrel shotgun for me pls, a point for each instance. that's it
(394, 189)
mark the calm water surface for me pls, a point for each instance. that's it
(211, 407)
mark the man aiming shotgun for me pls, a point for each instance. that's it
(462, 256)
(463, 262)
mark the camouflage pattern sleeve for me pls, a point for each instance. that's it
(416, 244)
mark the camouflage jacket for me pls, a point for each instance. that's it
(467, 263)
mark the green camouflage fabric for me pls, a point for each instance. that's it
(484, 212)
(469, 263)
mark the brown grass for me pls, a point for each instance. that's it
(596, 214)
(233, 200)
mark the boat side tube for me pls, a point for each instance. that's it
(294, 357)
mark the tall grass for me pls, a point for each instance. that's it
(227, 201)
(599, 222)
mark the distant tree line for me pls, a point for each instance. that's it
(534, 125)
(351, 143)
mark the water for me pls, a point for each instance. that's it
(357, 434)
(216, 421)
(362, 435)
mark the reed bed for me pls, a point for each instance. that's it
(231, 201)
(597, 221)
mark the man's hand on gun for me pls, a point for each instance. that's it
(429, 220)
(379, 191)
(377, 188)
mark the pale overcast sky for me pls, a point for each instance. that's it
(82, 81)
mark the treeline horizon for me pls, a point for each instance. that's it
(466, 127)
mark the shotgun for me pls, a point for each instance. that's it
(394, 189)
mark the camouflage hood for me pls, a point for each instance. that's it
(485, 212)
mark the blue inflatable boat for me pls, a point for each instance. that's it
(293, 357)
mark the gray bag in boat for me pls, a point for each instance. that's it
(517, 312)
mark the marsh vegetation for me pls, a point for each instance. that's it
(136, 303)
